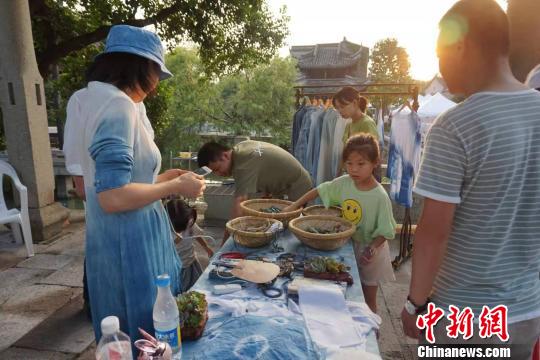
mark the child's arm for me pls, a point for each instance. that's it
(371, 249)
(205, 246)
(307, 197)
(198, 231)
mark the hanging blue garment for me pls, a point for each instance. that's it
(297, 124)
(314, 143)
(300, 150)
(325, 170)
(380, 129)
(337, 148)
(404, 156)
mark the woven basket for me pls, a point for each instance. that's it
(252, 207)
(252, 239)
(325, 242)
(321, 210)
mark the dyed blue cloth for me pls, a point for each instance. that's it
(297, 125)
(125, 251)
(300, 150)
(314, 143)
(404, 156)
(283, 338)
(253, 337)
(380, 129)
(324, 168)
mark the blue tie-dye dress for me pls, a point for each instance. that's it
(125, 251)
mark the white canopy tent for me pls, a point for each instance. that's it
(436, 105)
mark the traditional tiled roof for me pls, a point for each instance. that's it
(329, 56)
(338, 83)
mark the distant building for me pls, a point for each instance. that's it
(339, 64)
(437, 85)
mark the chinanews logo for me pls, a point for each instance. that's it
(491, 322)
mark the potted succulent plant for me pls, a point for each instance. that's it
(193, 310)
(327, 268)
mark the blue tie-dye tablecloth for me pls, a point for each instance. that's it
(267, 337)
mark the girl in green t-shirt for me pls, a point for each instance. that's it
(351, 105)
(365, 203)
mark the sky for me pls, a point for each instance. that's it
(412, 22)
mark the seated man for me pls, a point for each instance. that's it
(257, 168)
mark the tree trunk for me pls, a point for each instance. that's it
(524, 36)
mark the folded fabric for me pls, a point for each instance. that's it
(327, 317)
(238, 304)
(365, 320)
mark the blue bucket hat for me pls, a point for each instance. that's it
(134, 40)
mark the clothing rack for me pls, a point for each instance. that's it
(410, 90)
(327, 91)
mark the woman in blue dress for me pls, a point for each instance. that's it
(128, 236)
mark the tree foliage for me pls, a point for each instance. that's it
(190, 96)
(260, 101)
(389, 64)
(254, 102)
(231, 35)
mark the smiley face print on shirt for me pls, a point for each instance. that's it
(352, 211)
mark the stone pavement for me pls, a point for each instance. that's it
(41, 313)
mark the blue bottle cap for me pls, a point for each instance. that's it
(163, 280)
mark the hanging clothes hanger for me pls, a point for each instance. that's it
(405, 104)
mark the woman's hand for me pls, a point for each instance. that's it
(170, 174)
(189, 185)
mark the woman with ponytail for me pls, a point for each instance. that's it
(351, 105)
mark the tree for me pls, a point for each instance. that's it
(190, 98)
(260, 101)
(254, 102)
(389, 64)
(232, 35)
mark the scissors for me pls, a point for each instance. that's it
(269, 290)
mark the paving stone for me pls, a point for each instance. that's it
(89, 353)
(46, 261)
(69, 275)
(64, 278)
(68, 330)
(388, 342)
(15, 353)
(72, 243)
(8, 259)
(11, 252)
(28, 307)
(14, 278)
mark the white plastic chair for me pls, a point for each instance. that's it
(16, 217)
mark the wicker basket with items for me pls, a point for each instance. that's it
(252, 231)
(322, 232)
(270, 208)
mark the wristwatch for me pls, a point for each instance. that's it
(412, 309)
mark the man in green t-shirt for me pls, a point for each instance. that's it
(259, 169)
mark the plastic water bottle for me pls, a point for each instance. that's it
(166, 316)
(114, 344)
